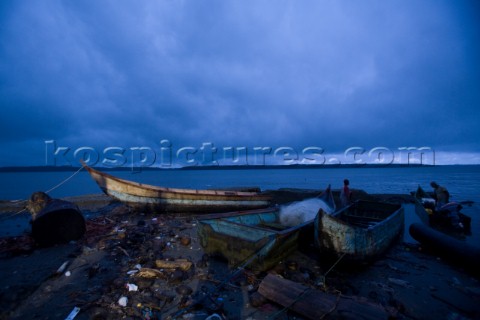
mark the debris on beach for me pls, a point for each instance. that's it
(13, 246)
(144, 266)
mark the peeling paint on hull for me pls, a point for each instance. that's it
(361, 231)
(242, 235)
(160, 199)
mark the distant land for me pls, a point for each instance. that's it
(219, 167)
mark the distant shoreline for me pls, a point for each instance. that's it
(225, 167)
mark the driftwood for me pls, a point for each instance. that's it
(166, 267)
(150, 273)
(182, 264)
(315, 304)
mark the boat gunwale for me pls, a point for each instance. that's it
(180, 191)
(424, 217)
(377, 224)
(278, 233)
(211, 216)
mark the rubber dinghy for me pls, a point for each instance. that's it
(451, 249)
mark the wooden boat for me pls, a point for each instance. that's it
(360, 231)
(160, 199)
(448, 219)
(255, 238)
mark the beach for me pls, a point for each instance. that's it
(405, 283)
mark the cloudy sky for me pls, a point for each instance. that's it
(325, 74)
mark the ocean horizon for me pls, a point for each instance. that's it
(461, 180)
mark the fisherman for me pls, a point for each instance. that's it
(440, 194)
(345, 194)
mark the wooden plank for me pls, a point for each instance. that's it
(183, 264)
(315, 304)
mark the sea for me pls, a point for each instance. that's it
(462, 181)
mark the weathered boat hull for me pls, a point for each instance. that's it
(361, 231)
(150, 198)
(254, 236)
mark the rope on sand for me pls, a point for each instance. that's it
(324, 277)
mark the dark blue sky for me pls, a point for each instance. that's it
(329, 74)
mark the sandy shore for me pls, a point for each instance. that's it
(406, 282)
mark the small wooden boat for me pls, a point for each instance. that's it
(160, 199)
(448, 219)
(255, 238)
(360, 231)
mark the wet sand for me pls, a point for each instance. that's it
(406, 282)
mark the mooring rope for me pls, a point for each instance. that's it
(324, 277)
(48, 191)
(14, 214)
(64, 181)
(333, 266)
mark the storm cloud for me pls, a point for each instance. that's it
(332, 74)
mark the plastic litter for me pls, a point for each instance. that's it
(62, 268)
(131, 287)
(195, 316)
(214, 317)
(73, 314)
(123, 301)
